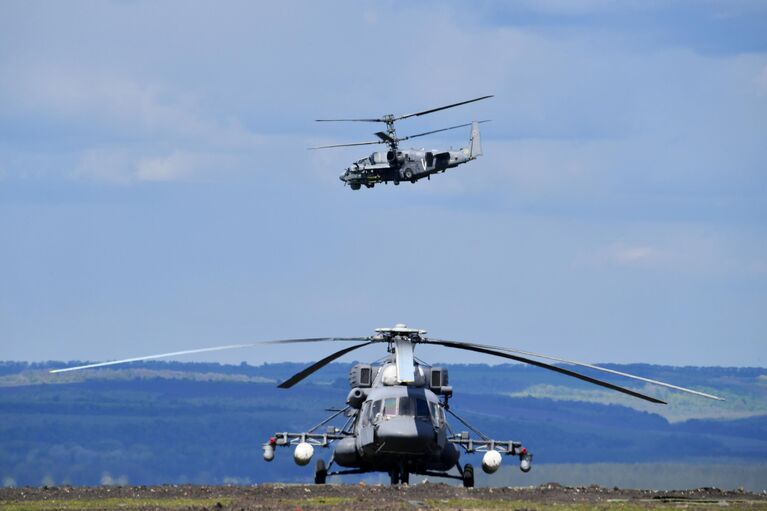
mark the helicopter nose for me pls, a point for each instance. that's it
(406, 434)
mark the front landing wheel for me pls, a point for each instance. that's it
(468, 476)
(320, 473)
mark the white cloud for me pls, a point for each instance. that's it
(761, 80)
(631, 255)
(573, 7)
(118, 104)
(627, 255)
(145, 131)
(679, 248)
(119, 166)
(759, 267)
(112, 166)
(179, 166)
(173, 167)
(581, 84)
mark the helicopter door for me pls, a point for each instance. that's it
(367, 428)
(366, 434)
(429, 159)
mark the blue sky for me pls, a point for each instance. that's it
(156, 193)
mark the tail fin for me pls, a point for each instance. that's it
(475, 147)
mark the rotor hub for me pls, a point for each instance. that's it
(400, 329)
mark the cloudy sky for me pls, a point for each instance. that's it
(156, 193)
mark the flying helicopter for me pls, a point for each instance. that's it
(397, 164)
(397, 410)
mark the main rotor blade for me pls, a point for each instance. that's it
(489, 351)
(349, 120)
(317, 339)
(605, 370)
(390, 118)
(443, 129)
(345, 145)
(441, 108)
(319, 365)
(184, 352)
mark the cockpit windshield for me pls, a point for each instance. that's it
(407, 406)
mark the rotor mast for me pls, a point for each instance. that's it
(402, 340)
(391, 131)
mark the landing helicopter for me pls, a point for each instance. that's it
(398, 165)
(396, 411)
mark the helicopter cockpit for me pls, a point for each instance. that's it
(403, 406)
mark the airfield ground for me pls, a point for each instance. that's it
(330, 497)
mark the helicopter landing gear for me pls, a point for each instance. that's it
(320, 472)
(468, 476)
(355, 186)
(396, 182)
(399, 475)
(408, 174)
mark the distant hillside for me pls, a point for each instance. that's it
(164, 422)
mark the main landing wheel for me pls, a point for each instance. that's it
(320, 472)
(404, 477)
(468, 476)
(394, 476)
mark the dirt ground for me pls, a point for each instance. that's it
(329, 497)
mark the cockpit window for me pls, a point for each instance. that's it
(436, 413)
(411, 406)
(421, 408)
(404, 406)
(390, 406)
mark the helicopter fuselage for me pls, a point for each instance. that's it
(402, 165)
(398, 427)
